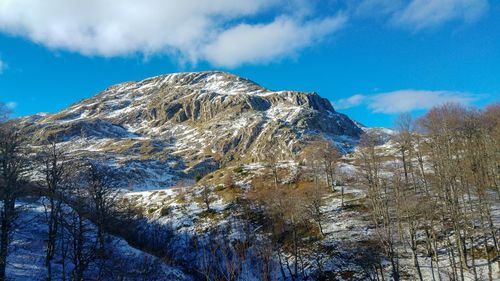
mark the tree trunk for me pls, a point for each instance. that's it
(415, 256)
(7, 215)
(342, 195)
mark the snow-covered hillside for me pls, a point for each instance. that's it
(166, 128)
(26, 260)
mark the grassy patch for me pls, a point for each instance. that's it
(164, 211)
(181, 199)
(479, 253)
(304, 184)
(311, 231)
(355, 206)
(198, 200)
(151, 211)
(212, 215)
(228, 194)
(219, 187)
(238, 170)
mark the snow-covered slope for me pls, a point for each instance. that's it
(173, 126)
(26, 260)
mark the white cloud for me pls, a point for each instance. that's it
(349, 102)
(423, 14)
(264, 42)
(409, 100)
(189, 30)
(405, 100)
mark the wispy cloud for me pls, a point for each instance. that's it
(222, 32)
(405, 100)
(11, 105)
(376, 8)
(423, 14)
(264, 42)
(349, 102)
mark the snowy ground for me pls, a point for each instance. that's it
(347, 230)
(27, 252)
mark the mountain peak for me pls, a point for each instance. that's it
(213, 81)
(199, 120)
(217, 81)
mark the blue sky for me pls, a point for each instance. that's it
(372, 58)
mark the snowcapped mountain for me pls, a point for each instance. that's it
(172, 126)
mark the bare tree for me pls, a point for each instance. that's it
(319, 157)
(381, 198)
(271, 162)
(13, 165)
(83, 248)
(443, 125)
(77, 237)
(51, 160)
(207, 196)
(314, 201)
(404, 125)
(102, 197)
(284, 213)
(330, 156)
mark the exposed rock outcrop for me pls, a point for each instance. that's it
(202, 119)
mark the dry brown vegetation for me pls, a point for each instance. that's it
(433, 198)
(439, 194)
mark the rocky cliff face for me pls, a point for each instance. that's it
(190, 123)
